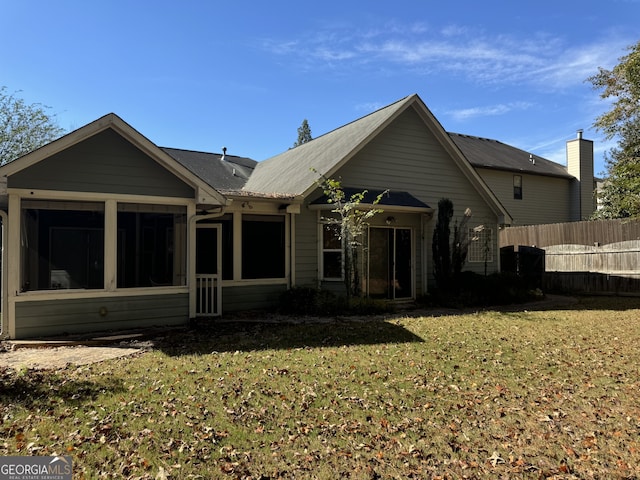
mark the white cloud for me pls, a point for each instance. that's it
(540, 59)
(489, 110)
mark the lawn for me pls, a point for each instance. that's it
(529, 394)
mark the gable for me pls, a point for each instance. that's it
(103, 163)
(407, 155)
(296, 171)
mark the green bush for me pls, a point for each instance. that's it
(475, 290)
(318, 302)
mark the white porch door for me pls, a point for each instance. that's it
(208, 270)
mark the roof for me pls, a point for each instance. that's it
(296, 170)
(205, 193)
(492, 154)
(225, 173)
(387, 199)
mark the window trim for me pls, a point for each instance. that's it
(517, 187)
(110, 203)
(324, 250)
(476, 251)
(241, 245)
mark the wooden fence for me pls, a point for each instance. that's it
(585, 257)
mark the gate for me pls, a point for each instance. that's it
(525, 262)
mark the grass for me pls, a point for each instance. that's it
(531, 394)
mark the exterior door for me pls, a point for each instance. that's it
(208, 270)
(390, 263)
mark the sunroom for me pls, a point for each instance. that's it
(99, 234)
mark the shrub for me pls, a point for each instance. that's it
(318, 302)
(474, 290)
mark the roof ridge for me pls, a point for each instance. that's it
(358, 119)
(479, 138)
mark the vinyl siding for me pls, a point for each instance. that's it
(104, 163)
(251, 297)
(544, 199)
(406, 156)
(307, 244)
(58, 317)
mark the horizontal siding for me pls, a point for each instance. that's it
(251, 297)
(58, 317)
(307, 248)
(544, 199)
(406, 156)
(104, 163)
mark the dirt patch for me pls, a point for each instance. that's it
(60, 357)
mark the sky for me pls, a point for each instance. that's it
(201, 75)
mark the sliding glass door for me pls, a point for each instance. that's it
(390, 263)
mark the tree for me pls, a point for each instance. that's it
(440, 246)
(620, 195)
(351, 221)
(449, 256)
(304, 134)
(23, 128)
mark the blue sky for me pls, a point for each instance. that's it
(244, 74)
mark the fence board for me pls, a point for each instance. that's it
(589, 257)
(601, 232)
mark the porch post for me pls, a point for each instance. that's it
(191, 258)
(13, 262)
(110, 245)
(4, 327)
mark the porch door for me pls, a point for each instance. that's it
(208, 270)
(390, 263)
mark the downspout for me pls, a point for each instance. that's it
(425, 253)
(292, 251)
(4, 313)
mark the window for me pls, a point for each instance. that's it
(481, 246)
(62, 245)
(517, 187)
(331, 252)
(263, 246)
(151, 245)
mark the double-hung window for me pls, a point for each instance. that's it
(517, 187)
(331, 252)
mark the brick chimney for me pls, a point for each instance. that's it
(580, 165)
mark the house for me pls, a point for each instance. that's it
(103, 229)
(532, 189)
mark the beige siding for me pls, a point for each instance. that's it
(104, 163)
(544, 199)
(408, 157)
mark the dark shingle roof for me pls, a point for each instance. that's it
(225, 175)
(487, 153)
(388, 199)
